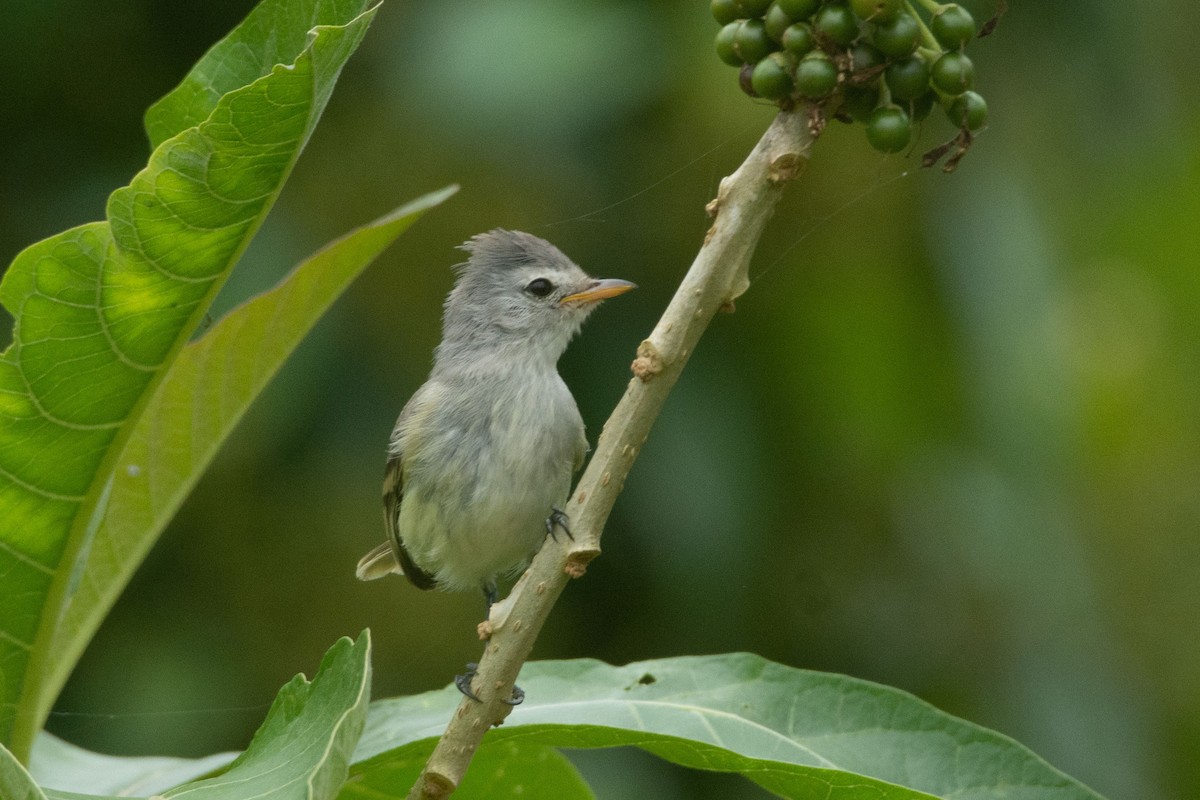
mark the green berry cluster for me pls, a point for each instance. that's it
(878, 62)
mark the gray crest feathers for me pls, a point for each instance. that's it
(501, 250)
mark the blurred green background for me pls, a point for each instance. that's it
(949, 441)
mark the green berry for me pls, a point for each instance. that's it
(799, 9)
(889, 129)
(875, 10)
(776, 22)
(860, 101)
(969, 111)
(725, 48)
(751, 42)
(751, 8)
(907, 78)
(837, 24)
(744, 76)
(898, 37)
(953, 73)
(953, 26)
(798, 39)
(865, 57)
(816, 75)
(724, 11)
(772, 77)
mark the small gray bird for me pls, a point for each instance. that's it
(482, 456)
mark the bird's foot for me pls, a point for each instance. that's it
(463, 684)
(558, 519)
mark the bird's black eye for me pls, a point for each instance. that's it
(539, 287)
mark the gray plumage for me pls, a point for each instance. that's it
(484, 452)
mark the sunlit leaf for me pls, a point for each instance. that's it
(273, 33)
(205, 392)
(102, 309)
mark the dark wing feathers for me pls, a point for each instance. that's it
(393, 492)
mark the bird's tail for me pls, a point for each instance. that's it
(377, 563)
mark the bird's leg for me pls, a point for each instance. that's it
(463, 682)
(558, 519)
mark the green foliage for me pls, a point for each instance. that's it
(15, 781)
(512, 767)
(106, 420)
(276, 33)
(798, 734)
(203, 394)
(109, 417)
(62, 765)
(301, 752)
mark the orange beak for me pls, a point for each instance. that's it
(599, 290)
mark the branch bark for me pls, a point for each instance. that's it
(745, 202)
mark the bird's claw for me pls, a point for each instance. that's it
(463, 684)
(558, 519)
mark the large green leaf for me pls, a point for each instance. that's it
(301, 751)
(205, 392)
(799, 734)
(272, 34)
(101, 309)
(58, 764)
(512, 768)
(220, 374)
(15, 782)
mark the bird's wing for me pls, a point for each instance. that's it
(383, 559)
(391, 556)
(393, 492)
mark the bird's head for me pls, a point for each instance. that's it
(517, 290)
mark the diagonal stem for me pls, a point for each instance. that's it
(744, 203)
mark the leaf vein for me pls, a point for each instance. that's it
(8, 637)
(24, 558)
(62, 423)
(112, 342)
(713, 731)
(31, 487)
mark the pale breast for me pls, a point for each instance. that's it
(484, 471)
